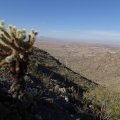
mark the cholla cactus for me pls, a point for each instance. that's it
(13, 43)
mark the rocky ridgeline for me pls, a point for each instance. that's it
(51, 92)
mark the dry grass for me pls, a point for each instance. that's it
(105, 102)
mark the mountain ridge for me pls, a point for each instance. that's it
(41, 101)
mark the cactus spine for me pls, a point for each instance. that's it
(16, 48)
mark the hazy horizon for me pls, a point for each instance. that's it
(87, 20)
(73, 40)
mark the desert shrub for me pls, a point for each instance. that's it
(104, 102)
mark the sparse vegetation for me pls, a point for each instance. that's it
(52, 91)
(50, 86)
(105, 102)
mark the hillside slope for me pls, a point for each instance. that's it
(100, 63)
(104, 69)
(42, 100)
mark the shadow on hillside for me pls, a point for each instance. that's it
(60, 79)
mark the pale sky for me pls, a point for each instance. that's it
(91, 20)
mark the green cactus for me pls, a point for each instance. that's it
(15, 46)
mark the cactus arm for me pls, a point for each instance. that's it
(6, 41)
(9, 58)
(12, 31)
(32, 36)
(6, 35)
(2, 63)
(17, 51)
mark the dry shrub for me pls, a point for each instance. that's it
(104, 102)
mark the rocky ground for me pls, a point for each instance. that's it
(52, 91)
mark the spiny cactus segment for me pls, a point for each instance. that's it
(13, 39)
(15, 49)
